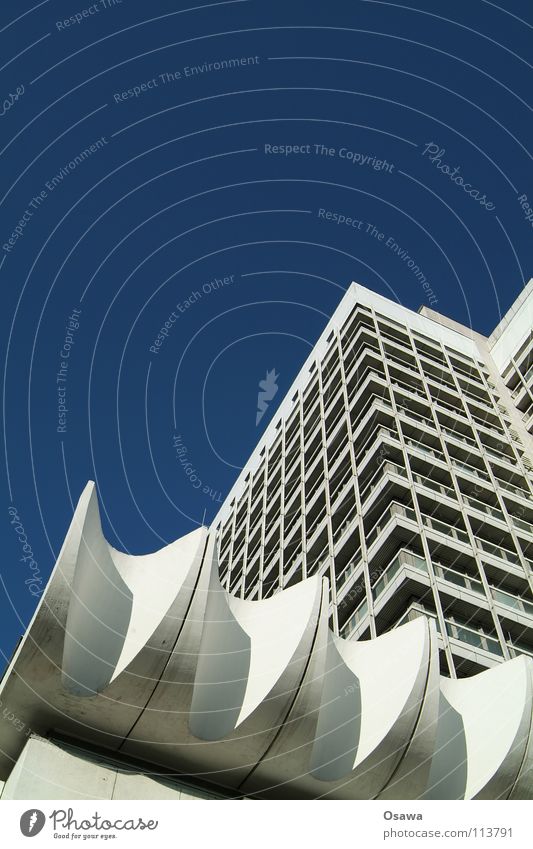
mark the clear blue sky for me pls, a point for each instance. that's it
(146, 153)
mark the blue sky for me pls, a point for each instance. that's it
(187, 191)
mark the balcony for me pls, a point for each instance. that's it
(331, 424)
(459, 437)
(522, 492)
(408, 362)
(406, 387)
(354, 620)
(482, 399)
(315, 564)
(458, 579)
(451, 577)
(393, 511)
(309, 461)
(477, 639)
(344, 525)
(438, 383)
(436, 486)
(490, 426)
(370, 443)
(415, 445)
(444, 528)
(458, 413)
(353, 566)
(292, 569)
(428, 423)
(499, 552)
(356, 366)
(403, 560)
(458, 633)
(376, 404)
(314, 528)
(482, 507)
(471, 470)
(517, 648)
(521, 524)
(342, 449)
(375, 480)
(519, 605)
(475, 585)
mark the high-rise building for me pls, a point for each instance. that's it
(377, 546)
(399, 466)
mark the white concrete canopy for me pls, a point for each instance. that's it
(150, 657)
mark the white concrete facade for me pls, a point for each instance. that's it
(48, 770)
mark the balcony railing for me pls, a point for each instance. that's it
(406, 387)
(334, 457)
(428, 423)
(403, 558)
(375, 480)
(474, 638)
(510, 487)
(309, 531)
(317, 563)
(308, 462)
(488, 425)
(522, 524)
(483, 507)
(498, 551)
(460, 632)
(461, 437)
(473, 470)
(376, 402)
(331, 425)
(429, 483)
(514, 602)
(459, 579)
(339, 484)
(420, 446)
(457, 411)
(357, 616)
(446, 529)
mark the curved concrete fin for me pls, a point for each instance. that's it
(222, 670)
(155, 580)
(523, 788)
(495, 707)
(283, 770)
(392, 671)
(99, 611)
(410, 777)
(276, 627)
(339, 721)
(447, 776)
(68, 555)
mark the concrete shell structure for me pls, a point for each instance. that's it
(149, 657)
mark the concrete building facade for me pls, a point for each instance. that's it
(400, 468)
